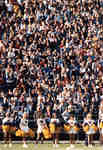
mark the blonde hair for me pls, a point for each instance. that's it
(89, 115)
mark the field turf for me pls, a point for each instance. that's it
(50, 147)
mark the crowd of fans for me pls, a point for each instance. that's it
(51, 57)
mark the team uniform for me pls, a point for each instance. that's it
(13, 126)
(6, 124)
(90, 128)
(43, 129)
(9, 125)
(24, 130)
(101, 127)
(72, 128)
(40, 123)
(55, 128)
(100, 122)
(40, 133)
(7, 129)
(101, 130)
(1, 119)
(54, 125)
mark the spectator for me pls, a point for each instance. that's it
(51, 52)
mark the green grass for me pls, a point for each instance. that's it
(50, 147)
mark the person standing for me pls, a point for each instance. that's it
(90, 128)
(6, 125)
(40, 126)
(55, 129)
(24, 130)
(72, 128)
(101, 129)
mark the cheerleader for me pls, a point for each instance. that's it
(101, 129)
(89, 128)
(46, 132)
(6, 125)
(2, 114)
(24, 130)
(55, 129)
(41, 125)
(71, 127)
(13, 123)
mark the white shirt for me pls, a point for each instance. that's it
(72, 122)
(8, 5)
(19, 2)
(24, 125)
(89, 122)
(40, 124)
(54, 120)
(6, 120)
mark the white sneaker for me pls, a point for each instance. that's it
(56, 145)
(68, 148)
(72, 146)
(25, 146)
(90, 145)
(10, 145)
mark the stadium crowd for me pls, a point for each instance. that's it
(51, 58)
